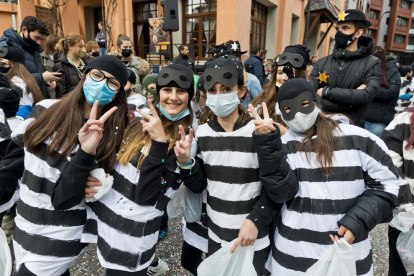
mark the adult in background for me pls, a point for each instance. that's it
(183, 58)
(313, 60)
(347, 80)
(254, 65)
(381, 110)
(71, 62)
(100, 38)
(32, 32)
(48, 60)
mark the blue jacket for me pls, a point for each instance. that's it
(33, 61)
(254, 87)
(255, 66)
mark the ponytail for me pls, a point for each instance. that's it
(70, 40)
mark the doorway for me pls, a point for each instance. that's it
(143, 11)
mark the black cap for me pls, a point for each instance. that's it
(200, 87)
(226, 60)
(234, 47)
(216, 49)
(354, 15)
(298, 49)
(293, 88)
(112, 65)
(9, 101)
(176, 75)
(12, 53)
(132, 78)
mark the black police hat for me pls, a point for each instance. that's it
(234, 47)
(354, 15)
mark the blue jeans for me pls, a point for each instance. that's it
(102, 51)
(375, 128)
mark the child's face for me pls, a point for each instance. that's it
(173, 100)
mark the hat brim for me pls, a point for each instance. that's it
(366, 22)
(239, 53)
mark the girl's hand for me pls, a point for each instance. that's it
(346, 233)
(247, 235)
(152, 124)
(182, 148)
(89, 187)
(264, 125)
(91, 133)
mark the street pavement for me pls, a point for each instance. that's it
(170, 251)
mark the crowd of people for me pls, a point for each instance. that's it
(287, 159)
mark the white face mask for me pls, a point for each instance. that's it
(222, 105)
(302, 122)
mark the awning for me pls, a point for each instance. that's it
(326, 10)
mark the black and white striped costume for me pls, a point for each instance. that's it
(6, 200)
(46, 240)
(407, 87)
(363, 175)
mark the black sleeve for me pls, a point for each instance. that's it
(69, 189)
(386, 94)
(195, 178)
(275, 174)
(11, 170)
(264, 211)
(61, 84)
(149, 184)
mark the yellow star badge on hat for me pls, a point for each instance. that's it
(323, 77)
(342, 16)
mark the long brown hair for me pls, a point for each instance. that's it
(324, 144)
(51, 42)
(135, 140)
(69, 40)
(63, 120)
(380, 53)
(18, 70)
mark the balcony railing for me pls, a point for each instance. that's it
(377, 3)
(398, 45)
(374, 22)
(401, 10)
(403, 29)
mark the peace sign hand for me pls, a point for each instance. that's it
(152, 124)
(182, 148)
(91, 133)
(264, 125)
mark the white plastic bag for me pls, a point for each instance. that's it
(5, 255)
(222, 263)
(405, 248)
(339, 260)
(106, 181)
(187, 203)
(404, 221)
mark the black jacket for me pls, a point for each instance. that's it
(382, 107)
(70, 78)
(348, 70)
(185, 61)
(33, 61)
(254, 65)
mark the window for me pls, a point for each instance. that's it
(385, 38)
(258, 25)
(404, 4)
(371, 33)
(398, 38)
(411, 41)
(402, 22)
(143, 11)
(200, 25)
(373, 14)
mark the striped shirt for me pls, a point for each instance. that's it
(233, 184)
(360, 163)
(407, 88)
(46, 240)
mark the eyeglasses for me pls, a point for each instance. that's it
(98, 75)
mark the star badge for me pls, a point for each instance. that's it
(323, 77)
(234, 46)
(342, 16)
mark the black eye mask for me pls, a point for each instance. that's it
(3, 51)
(182, 78)
(295, 105)
(227, 76)
(294, 59)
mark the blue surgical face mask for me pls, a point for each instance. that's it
(223, 105)
(97, 90)
(174, 118)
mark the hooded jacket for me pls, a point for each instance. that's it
(346, 71)
(184, 60)
(254, 65)
(141, 68)
(33, 61)
(70, 78)
(382, 107)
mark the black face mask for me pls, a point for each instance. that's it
(342, 40)
(3, 68)
(95, 54)
(126, 52)
(29, 40)
(128, 92)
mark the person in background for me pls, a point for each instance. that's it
(32, 32)
(183, 58)
(70, 62)
(12, 64)
(381, 110)
(100, 38)
(48, 60)
(149, 86)
(139, 66)
(313, 59)
(92, 50)
(405, 99)
(254, 64)
(134, 100)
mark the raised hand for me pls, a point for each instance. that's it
(264, 125)
(91, 133)
(182, 148)
(152, 124)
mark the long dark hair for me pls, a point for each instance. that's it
(19, 70)
(380, 53)
(63, 120)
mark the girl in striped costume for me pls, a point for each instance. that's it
(50, 216)
(347, 182)
(239, 203)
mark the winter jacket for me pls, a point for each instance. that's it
(254, 65)
(382, 107)
(33, 61)
(98, 37)
(141, 68)
(185, 61)
(254, 88)
(346, 71)
(47, 61)
(69, 79)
